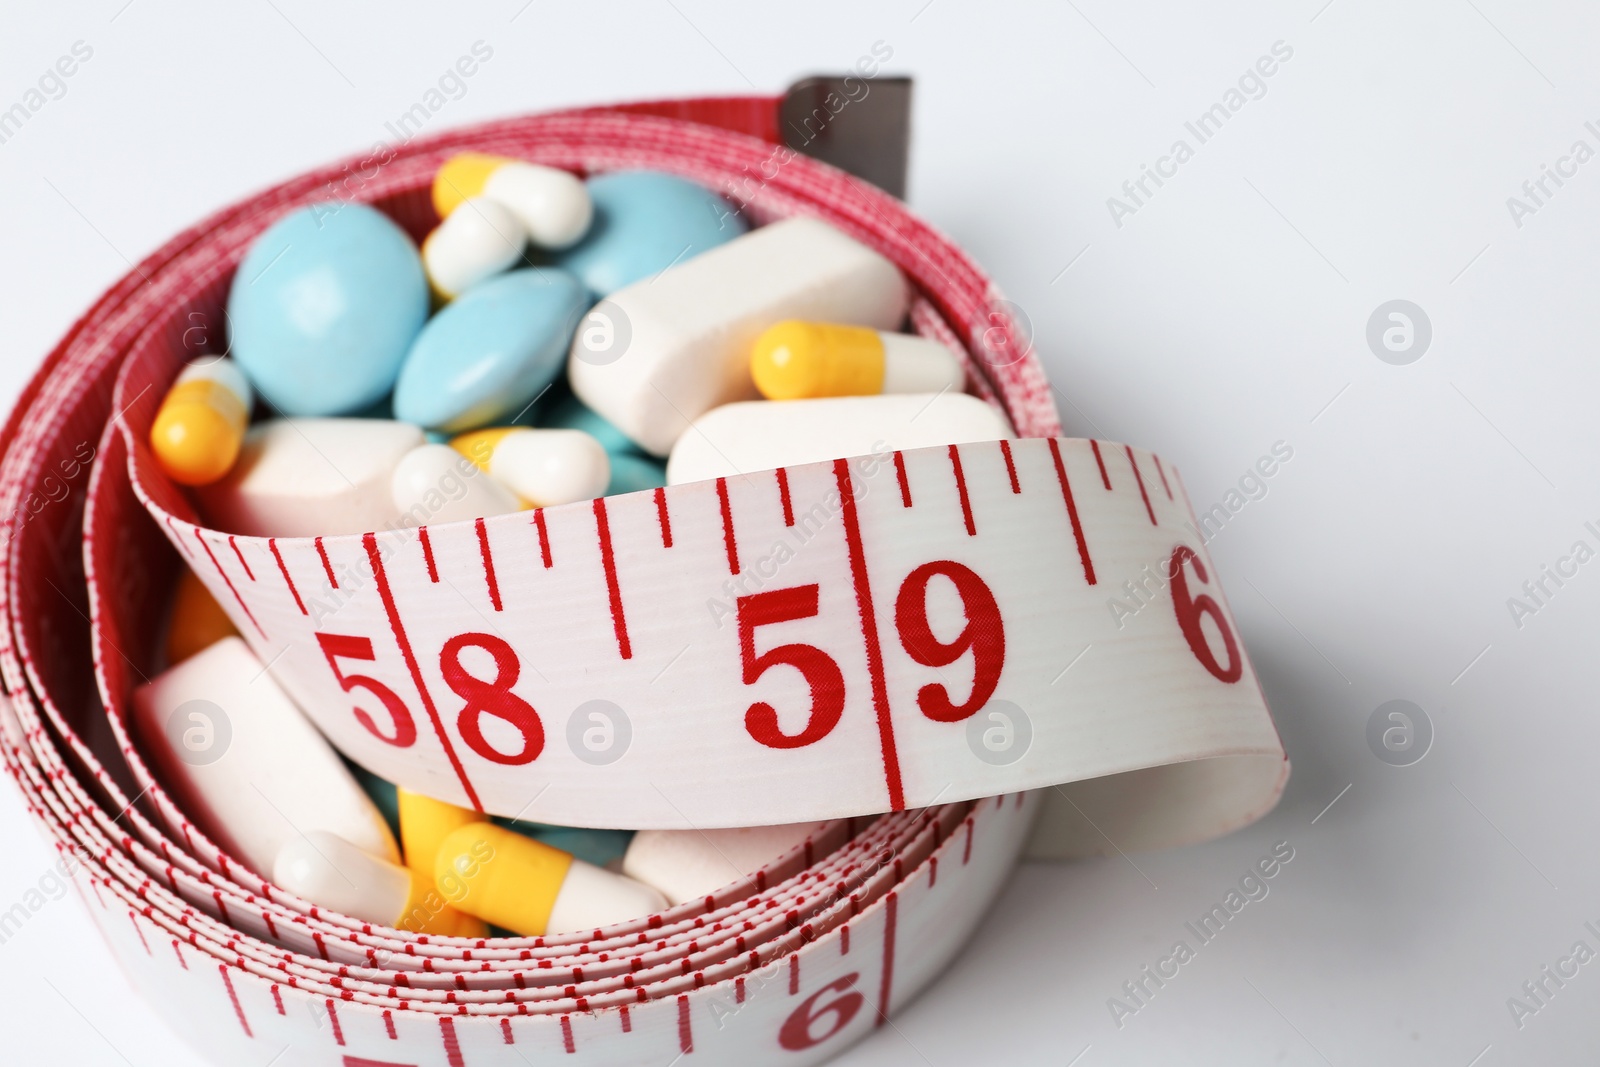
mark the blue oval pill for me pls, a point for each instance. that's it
(323, 308)
(491, 351)
(645, 222)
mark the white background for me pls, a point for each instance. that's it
(1226, 314)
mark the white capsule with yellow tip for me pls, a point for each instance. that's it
(201, 424)
(433, 485)
(332, 873)
(480, 238)
(801, 360)
(553, 206)
(543, 467)
(532, 889)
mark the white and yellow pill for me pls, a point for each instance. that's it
(553, 206)
(201, 424)
(332, 873)
(800, 360)
(528, 887)
(543, 467)
(479, 239)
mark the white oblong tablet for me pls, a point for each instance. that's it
(553, 206)
(546, 467)
(480, 238)
(690, 864)
(252, 770)
(434, 484)
(654, 356)
(763, 434)
(310, 477)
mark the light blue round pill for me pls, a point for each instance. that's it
(323, 308)
(629, 474)
(490, 351)
(645, 222)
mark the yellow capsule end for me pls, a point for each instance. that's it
(425, 823)
(501, 877)
(479, 445)
(198, 431)
(796, 360)
(461, 177)
(197, 622)
(427, 913)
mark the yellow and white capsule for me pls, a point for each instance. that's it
(552, 205)
(480, 238)
(332, 873)
(424, 824)
(543, 467)
(531, 888)
(201, 424)
(802, 360)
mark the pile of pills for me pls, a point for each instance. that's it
(554, 340)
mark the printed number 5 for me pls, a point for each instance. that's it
(341, 646)
(815, 665)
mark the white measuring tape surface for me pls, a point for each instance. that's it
(924, 634)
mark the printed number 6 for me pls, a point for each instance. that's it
(796, 1035)
(341, 646)
(815, 665)
(1191, 609)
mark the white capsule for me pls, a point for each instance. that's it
(657, 354)
(480, 238)
(553, 205)
(543, 467)
(760, 435)
(435, 484)
(248, 766)
(691, 864)
(311, 477)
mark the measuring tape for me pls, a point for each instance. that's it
(924, 634)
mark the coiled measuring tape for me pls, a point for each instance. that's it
(941, 676)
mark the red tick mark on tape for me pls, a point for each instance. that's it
(229, 581)
(1105, 479)
(900, 476)
(427, 554)
(727, 526)
(272, 543)
(381, 579)
(234, 544)
(327, 566)
(783, 495)
(1072, 512)
(961, 490)
(663, 518)
(1140, 479)
(869, 633)
(619, 621)
(544, 536)
(488, 565)
(1011, 467)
